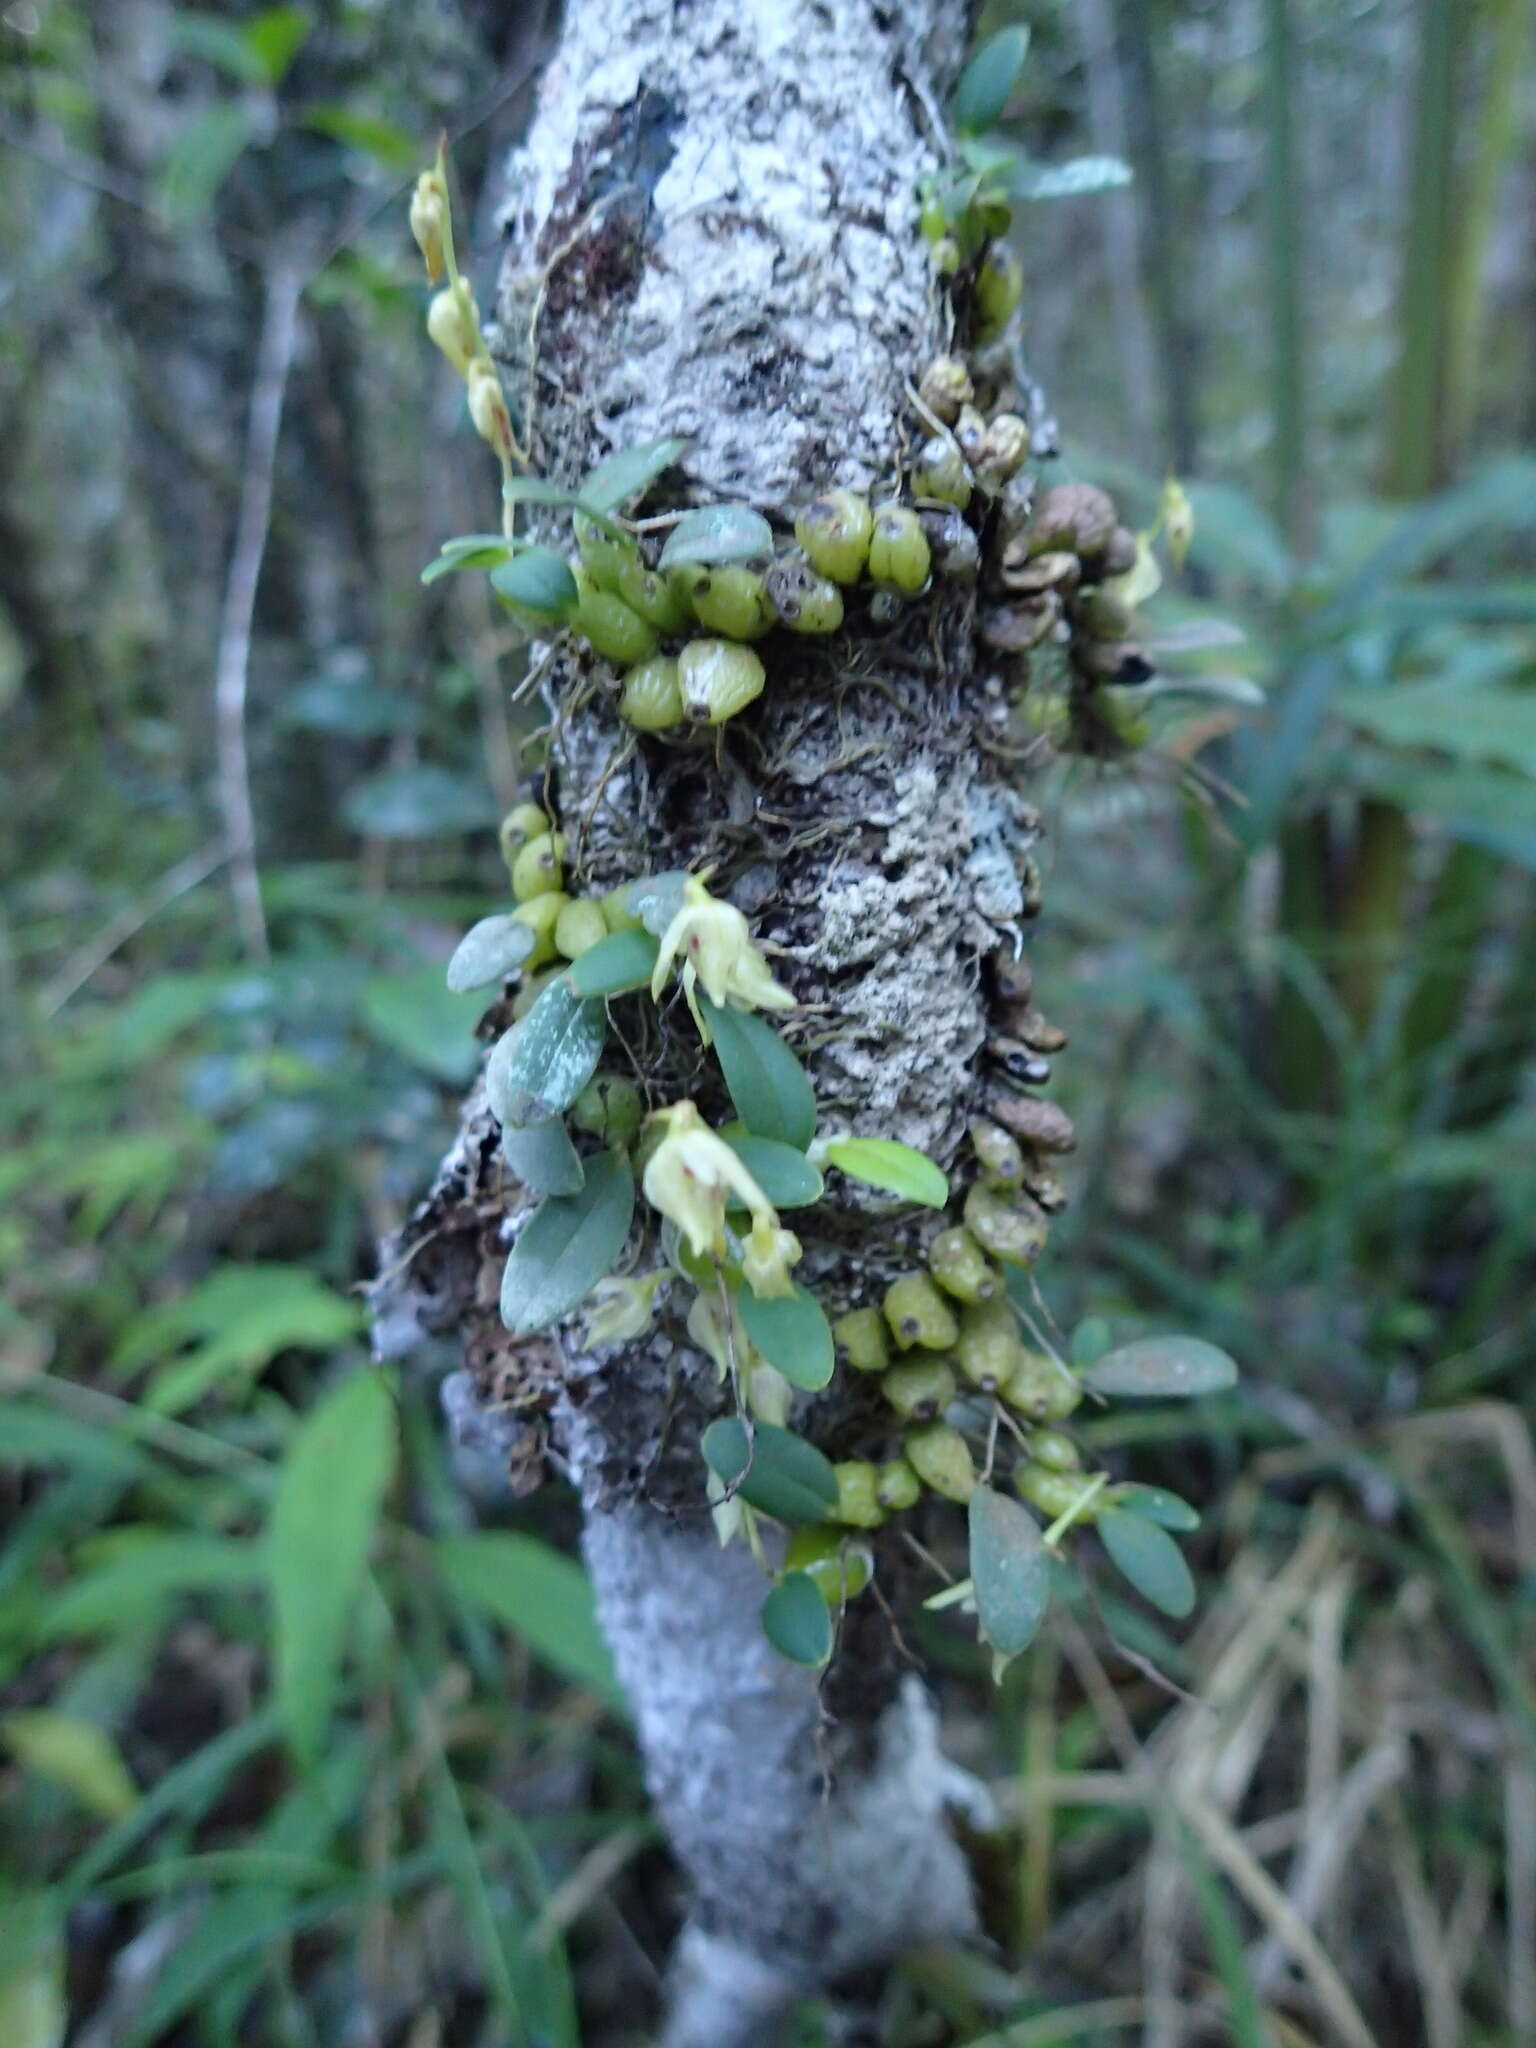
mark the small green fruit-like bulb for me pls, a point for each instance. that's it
(940, 472)
(805, 601)
(945, 255)
(1045, 1189)
(604, 556)
(1039, 1389)
(919, 1388)
(720, 678)
(941, 1457)
(861, 1340)
(1053, 1493)
(898, 1486)
(578, 928)
(538, 868)
(1011, 1230)
(954, 547)
(918, 1314)
(614, 631)
(840, 1570)
(617, 914)
(1004, 450)
(998, 1153)
(609, 1108)
(733, 600)
(999, 288)
(959, 1265)
(835, 531)
(932, 219)
(653, 694)
(541, 914)
(970, 433)
(989, 1350)
(944, 387)
(1054, 1449)
(522, 823)
(655, 597)
(898, 550)
(858, 1499)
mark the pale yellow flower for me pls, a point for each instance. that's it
(712, 941)
(692, 1175)
(770, 1252)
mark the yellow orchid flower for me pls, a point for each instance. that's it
(691, 1176)
(715, 947)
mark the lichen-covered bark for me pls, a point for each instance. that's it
(712, 232)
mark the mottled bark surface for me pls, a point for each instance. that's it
(712, 231)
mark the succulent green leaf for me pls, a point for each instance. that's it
(792, 1333)
(325, 1513)
(656, 899)
(542, 1064)
(987, 81)
(768, 1085)
(895, 1168)
(778, 1472)
(1070, 180)
(622, 961)
(469, 551)
(1148, 1556)
(1161, 1368)
(567, 1246)
(632, 470)
(1010, 1571)
(1156, 1504)
(543, 1157)
(537, 580)
(716, 534)
(796, 1621)
(784, 1174)
(488, 952)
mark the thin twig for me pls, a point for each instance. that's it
(128, 922)
(274, 362)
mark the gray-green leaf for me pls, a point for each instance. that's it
(1162, 1368)
(543, 1157)
(468, 551)
(567, 1246)
(768, 1085)
(987, 81)
(543, 1063)
(1070, 180)
(1150, 1559)
(784, 1174)
(1156, 1504)
(537, 580)
(632, 470)
(1010, 1571)
(489, 951)
(796, 1621)
(715, 534)
(792, 1333)
(622, 961)
(788, 1478)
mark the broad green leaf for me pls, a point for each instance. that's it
(1089, 1341)
(39, 1436)
(418, 803)
(542, 1064)
(785, 1477)
(768, 1085)
(785, 1176)
(796, 1621)
(656, 899)
(1069, 180)
(142, 1572)
(469, 551)
(792, 1333)
(1157, 1505)
(488, 952)
(896, 1168)
(351, 707)
(622, 961)
(567, 1246)
(988, 80)
(1148, 1556)
(417, 1015)
(1490, 723)
(537, 580)
(541, 1595)
(393, 147)
(257, 52)
(236, 1320)
(1010, 1571)
(716, 534)
(543, 1157)
(276, 35)
(201, 158)
(625, 475)
(1161, 1368)
(74, 1754)
(325, 1514)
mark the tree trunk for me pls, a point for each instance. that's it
(712, 232)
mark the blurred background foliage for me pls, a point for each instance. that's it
(295, 1746)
